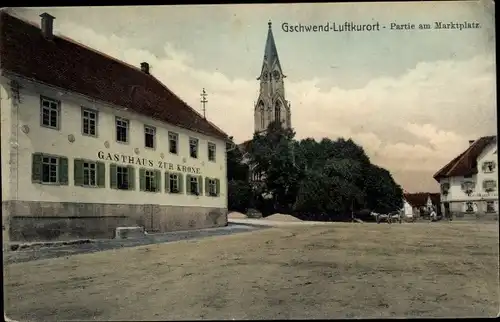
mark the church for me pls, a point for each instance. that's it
(271, 102)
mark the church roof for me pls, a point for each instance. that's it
(270, 52)
(66, 64)
(465, 163)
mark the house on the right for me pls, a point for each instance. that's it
(469, 187)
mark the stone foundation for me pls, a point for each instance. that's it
(48, 221)
(478, 216)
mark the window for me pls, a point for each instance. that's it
(89, 173)
(149, 136)
(174, 182)
(89, 122)
(121, 130)
(489, 185)
(173, 140)
(122, 178)
(49, 169)
(193, 148)
(277, 113)
(213, 187)
(211, 151)
(468, 187)
(150, 180)
(445, 188)
(50, 110)
(194, 185)
(490, 206)
(469, 207)
(488, 167)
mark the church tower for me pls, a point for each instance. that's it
(271, 104)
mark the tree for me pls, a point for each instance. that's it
(236, 168)
(382, 193)
(239, 190)
(272, 156)
(239, 195)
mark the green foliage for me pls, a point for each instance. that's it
(239, 195)
(329, 179)
(236, 169)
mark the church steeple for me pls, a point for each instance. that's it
(271, 104)
(270, 53)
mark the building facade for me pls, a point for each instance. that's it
(422, 203)
(469, 187)
(90, 144)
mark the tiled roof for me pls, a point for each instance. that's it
(65, 64)
(466, 162)
(419, 199)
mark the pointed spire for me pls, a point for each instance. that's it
(270, 53)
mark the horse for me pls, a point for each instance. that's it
(395, 216)
(380, 217)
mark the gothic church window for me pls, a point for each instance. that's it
(277, 112)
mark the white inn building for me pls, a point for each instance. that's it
(469, 183)
(89, 143)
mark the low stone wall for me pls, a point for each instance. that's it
(48, 221)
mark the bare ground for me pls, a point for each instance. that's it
(328, 271)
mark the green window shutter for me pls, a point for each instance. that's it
(36, 168)
(200, 185)
(142, 179)
(113, 184)
(217, 187)
(101, 174)
(206, 186)
(180, 179)
(158, 180)
(63, 171)
(167, 182)
(131, 177)
(78, 172)
(188, 184)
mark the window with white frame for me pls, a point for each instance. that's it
(122, 178)
(490, 206)
(193, 148)
(173, 183)
(489, 185)
(89, 122)
(211, 151)
(150, 181)
(50, 113)
(50, 167)
(488, 166)
(90, 174)
(469, 206)
(212, 187)
(149, 136)
(173, 142)
(193, 185)
(122, 127)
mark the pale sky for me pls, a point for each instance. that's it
(412, 99)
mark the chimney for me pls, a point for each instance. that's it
(145, 67)
(471, 142)
(47, 26)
